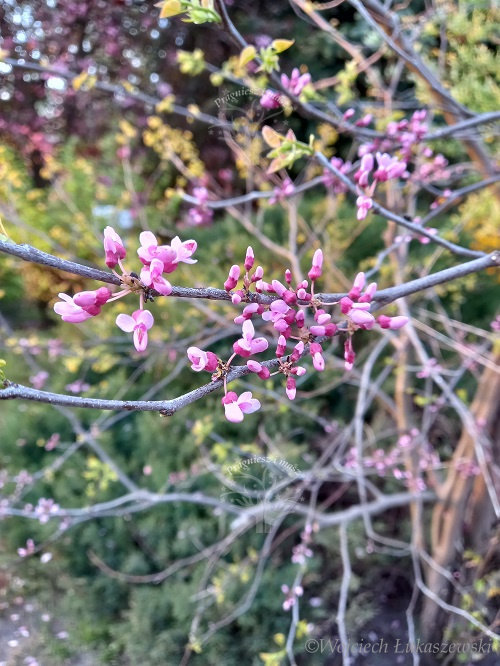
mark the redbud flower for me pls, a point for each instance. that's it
(247, 345)
(349, 355)
(297, 351)
(317, 264)
(248, 311)
(366, 166)
(296, 83)
(140, 322)
(364, 121)
(270, 100)
(82, 306)
(183, 250)
(258, 273)
(331, 180)
(249, 258)
(202, 360)
(357, 286)
(291, 389)
(369, 293)
(113, 247)
(361, 318)
(260, 370)
(394, 323)
(69, 311)
(388, 167)
(152, 277)
(281, 347)
(233, 277)
(29, 550)
(38, 380)
(150, 250)
(236, 407)
(316, 353)
(364, 203)
(286, 189)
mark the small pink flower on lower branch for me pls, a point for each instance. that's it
(236, 406)
(140, 322)
(248, 345)
(202, 360)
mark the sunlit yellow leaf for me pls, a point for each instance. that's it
(169, 8)
(271, 137)
(247, 55)
(280, 45)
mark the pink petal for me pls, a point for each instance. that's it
(233, 412)
(125, 322)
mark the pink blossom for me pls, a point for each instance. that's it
(364, 121)
(349, 354)
(232, 278)
(286, 189)
(361, 318)
(317, 264)
(296, 83)
(152, 277)
(270, 100)
(331, 180)
(247, 345)
(29, 550)
(113, 247)
(357, 286)
(45, 508)
(236, 406)
(183, 250)
(150, 250)
(140, 322)
(364, 203)
(78, 386)
(82, 306)
(291, 388)
(316, 352)
(202, 360)
(281, 346)
(249, 258)
(38, 380)
(200, 216)
(366, 166)
(388, 167)
(394, 323)
(260, 370)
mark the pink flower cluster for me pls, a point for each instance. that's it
(392, 462)
(200, 215)
(293, 84)
(291, 595)
(295, 316)
(157, 261)
(385, 168)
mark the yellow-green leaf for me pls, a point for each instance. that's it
(248, 54)
(280, 45)
(170, 8)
